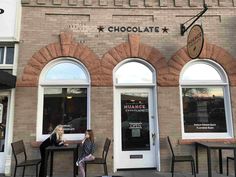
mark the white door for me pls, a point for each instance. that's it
(3, 129)
(134, 126)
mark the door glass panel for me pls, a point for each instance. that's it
(3, 120)
(135, 121)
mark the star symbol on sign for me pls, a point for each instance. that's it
(165, 30)
(100, 29)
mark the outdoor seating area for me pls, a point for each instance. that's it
(101, 160)
(208, 146)
(180, 158)
(18, 149)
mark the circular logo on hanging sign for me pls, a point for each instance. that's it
(195, 41)
(1, 11)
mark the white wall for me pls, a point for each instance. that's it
(9, 20)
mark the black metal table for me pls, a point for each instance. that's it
(215, 145)
(52, 149)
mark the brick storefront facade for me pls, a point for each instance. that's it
(69, 28)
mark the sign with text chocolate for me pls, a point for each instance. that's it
(195, 41)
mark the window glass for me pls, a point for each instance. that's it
(66, 71)
(201, 71)
(10, 55)
(3, 121)
(135, 121)
(66, 106)
(205, 99)
(1, 54)
(134, 72)
(204, 110)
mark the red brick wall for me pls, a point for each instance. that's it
(59, 28)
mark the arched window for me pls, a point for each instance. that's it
(206, 109)
(63, 98)
(134, 73)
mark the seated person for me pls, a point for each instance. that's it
(55, 139)
(87, 151)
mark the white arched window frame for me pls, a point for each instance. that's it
(203, 78)
(77, 82)
(125, 72)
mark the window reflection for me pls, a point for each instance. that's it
(204, 110)
(66, 106)
(135, 121)
(1, 54)
(66, 71)
(10, 55)
(3, 121)
(134, 72)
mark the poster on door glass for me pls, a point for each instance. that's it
(135, 121)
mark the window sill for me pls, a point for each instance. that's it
(192, 141)
(36, 144)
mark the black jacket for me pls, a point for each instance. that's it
(51, 141)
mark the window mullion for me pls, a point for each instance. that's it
(4, 55)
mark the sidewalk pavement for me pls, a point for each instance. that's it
(143, 173)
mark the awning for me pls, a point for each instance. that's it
(7, 80)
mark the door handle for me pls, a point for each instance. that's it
(153, 138)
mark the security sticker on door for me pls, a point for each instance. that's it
(135, 129)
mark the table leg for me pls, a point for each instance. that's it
(196, 156)
(76, 158)
(209, 162)
(74, 163)
(220, 161)
(51, 163)
(45, 163)
(234, 161)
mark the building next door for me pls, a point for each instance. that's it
(135, 121)
(4, 107)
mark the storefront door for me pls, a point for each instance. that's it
(134, 126)
(3, 130)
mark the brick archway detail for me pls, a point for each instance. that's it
(210, 51)
(132, 49)
(66, 47)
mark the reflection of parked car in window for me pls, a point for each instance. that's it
(217, 111)
(79, 124)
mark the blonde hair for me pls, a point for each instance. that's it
(59, 137)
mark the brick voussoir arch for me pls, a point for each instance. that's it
(210, 51)
(65, 48)
(132, 49)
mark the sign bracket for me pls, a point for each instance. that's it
(183, 29)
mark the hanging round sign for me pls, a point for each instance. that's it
(1, 11)
(195, 41)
